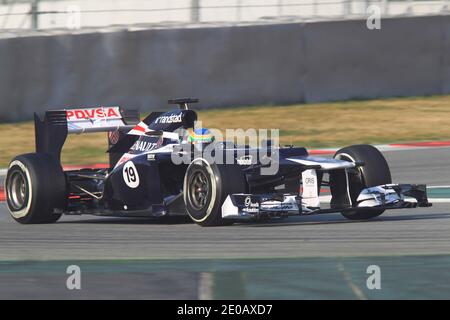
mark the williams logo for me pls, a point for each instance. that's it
(245, 160)
(250, 207)
(173, 118)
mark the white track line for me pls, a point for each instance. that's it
(325, 198)
(432, 200)
(383, 148)
(348, 278)
(439, 200)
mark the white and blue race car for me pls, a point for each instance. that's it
(144, 181)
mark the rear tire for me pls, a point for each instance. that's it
(35, 186)
(375, 172)
(206, 187)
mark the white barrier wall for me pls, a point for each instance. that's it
(226, 66)
(101, 13)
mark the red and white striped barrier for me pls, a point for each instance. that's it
(392, 147)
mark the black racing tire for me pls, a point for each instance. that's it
(215, 182)
(35, 186)
(375, 172)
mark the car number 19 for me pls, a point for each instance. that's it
(130, 175)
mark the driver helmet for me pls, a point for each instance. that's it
(200, 136)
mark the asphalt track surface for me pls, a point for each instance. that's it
(151, 253)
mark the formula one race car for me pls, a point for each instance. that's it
(146, 179)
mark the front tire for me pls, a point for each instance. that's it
(206, 187)
(375, 172)
(35, 186)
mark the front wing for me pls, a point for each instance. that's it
(254, 206)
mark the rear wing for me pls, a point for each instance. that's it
(51, 131)
(101, 119)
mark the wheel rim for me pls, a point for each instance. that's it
(17, 190)
(199, 189)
